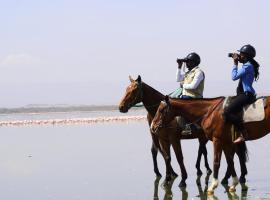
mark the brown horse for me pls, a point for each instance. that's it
(138, 92)
(208, 114)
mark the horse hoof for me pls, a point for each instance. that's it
(224, 181)
(242, 179)
(182, 184)
(210, 192)
(232, 189)
(168, 178)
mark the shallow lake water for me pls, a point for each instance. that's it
(109, 161)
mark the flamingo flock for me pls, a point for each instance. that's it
(94, 120)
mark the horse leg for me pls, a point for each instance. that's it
(226, 177)
(198, 162)
(154, 151)
(202, 151)
(216, 165)
(180, 159)
(240, 151)
(206, 164)
(229, 153)
(165, 149)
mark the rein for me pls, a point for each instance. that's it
(139, 98)
(208, 112)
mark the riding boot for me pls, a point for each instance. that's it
(242, 136)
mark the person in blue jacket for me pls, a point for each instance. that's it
(246, 74)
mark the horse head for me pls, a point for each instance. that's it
(133, 95)
(163, 116)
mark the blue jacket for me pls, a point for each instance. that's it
(246, 76)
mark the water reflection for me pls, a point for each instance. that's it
(202, 192)
(156, 184)
(233, 195)
(202, 189)
(166, 186)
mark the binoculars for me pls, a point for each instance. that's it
(181, 60)
(231, 55)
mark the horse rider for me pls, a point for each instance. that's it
(192, 81)
(246, 74)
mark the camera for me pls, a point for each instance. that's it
(181, 60)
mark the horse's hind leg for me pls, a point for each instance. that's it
(198, 162)
(154, 151)
(229, 152)
(226, 177)
(206, 164)
(202, 151)
(179, 156)
(241, 153)
(217, 158)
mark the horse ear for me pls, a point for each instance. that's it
(139, 79)
(131, 79)
(167, 99)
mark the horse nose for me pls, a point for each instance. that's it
(122, 109)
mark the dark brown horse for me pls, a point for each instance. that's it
(138, 92)
(208, 114)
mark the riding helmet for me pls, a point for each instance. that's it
(248, 50)
(194, 57)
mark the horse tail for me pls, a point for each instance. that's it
(242, 151)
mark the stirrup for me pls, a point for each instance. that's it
(186, 130)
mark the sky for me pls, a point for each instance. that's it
(82, 52)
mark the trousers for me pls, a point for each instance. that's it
(236, 107)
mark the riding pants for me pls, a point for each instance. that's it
(236, 106)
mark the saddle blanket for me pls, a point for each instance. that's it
(253, 112)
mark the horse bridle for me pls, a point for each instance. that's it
(166, 110)
(139, 96)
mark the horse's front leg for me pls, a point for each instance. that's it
(216, 165)
(165, 149)
(180, 159)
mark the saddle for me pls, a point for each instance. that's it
(250, 113)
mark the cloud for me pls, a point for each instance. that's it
(20, 59)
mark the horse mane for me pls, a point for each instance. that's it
(154, 90)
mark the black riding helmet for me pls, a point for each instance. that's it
(248, 50)
(194, 57)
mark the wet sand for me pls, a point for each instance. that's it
(108, 161)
